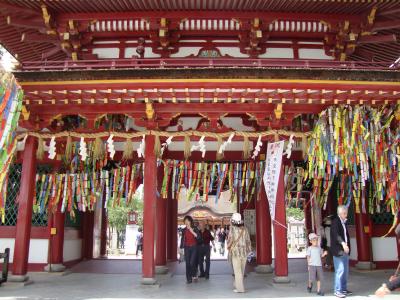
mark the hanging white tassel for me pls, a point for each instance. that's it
(52, 148)
(289, 147)
(226, 143)
(257, 148)
(110, 146)
(83, 149)
(140, 150)
(165, 145)
(201, 146)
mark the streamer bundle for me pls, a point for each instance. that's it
(10, 108)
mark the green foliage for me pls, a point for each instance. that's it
(118, 215)
(295, 213)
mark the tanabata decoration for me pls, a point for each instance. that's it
(202, 179)
(81, 191)
(10, 108)
(359, 146)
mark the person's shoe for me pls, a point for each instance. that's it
(309, 288)
(188, 282)
(202, 276)
(235, 291)
(339, 295)
(207, 277)
(320, 293)
(195, 279)
(347, 293)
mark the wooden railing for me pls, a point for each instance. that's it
(161, 63)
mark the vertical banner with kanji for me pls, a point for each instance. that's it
(271, 174)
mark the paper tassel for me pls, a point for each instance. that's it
(186, 150)
(304, 147)
(140, 150)
(246, 148)
(289, 146)
(68, 148)
(220, 154)
(40, 149)
(110, 146)
(98, 149)
(157, 146)
(257, 148)
(128, 150)
(52, 148)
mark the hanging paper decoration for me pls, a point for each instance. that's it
(201, 146)
(52, 148)
(165, 145)
(289, 146)
(81, 191)
(140, 150)
(10, 108)
(257, 148)
(360, 147)
(83, 149)
(222, 148)
(110, 146)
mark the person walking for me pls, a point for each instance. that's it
(139, 241)
(191, 238)
(315, 273)
(221, 241)
(340, 248)
(239, 247)
(205, 250)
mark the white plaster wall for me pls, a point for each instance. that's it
(313, 54)
(384, 249)
(7, 243)
(278, 53)
(106, 52)
(38, 249)
(72, 250)
(186, 51)
(232, 51)
(353, 246)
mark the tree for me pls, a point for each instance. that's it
(295, 213)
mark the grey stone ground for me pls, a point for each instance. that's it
(172, 286)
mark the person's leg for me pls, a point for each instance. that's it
(188, 253)
(345, 272)
(207, 255)
(394, 284)
(339, 272)
(193, 262)
(237, 269)
(201, 260)
(243, 265)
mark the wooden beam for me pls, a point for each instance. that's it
(377, 39)
(384, 25)
(4, 6)
(32, 23)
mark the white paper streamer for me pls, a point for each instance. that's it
(52, 148)
(110, 146)
(201, 146)
(140, 150)
(289, 147)
(257, 148)
(165, 145)
(226, 143)
(83, 149)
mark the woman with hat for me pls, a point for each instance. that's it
(239, 247)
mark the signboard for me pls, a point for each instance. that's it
(249, 219)
(272, 172)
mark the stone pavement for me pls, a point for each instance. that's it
(72, 285)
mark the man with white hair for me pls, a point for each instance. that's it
(340, 248)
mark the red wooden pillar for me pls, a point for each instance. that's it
(149, 211)
(103, 233)
(307, 216)
(24, 218)
(56, 241)
(161, 230)
(263, 233)
(87, 234)
(280, 234)
(172, 225)
(364, 256)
